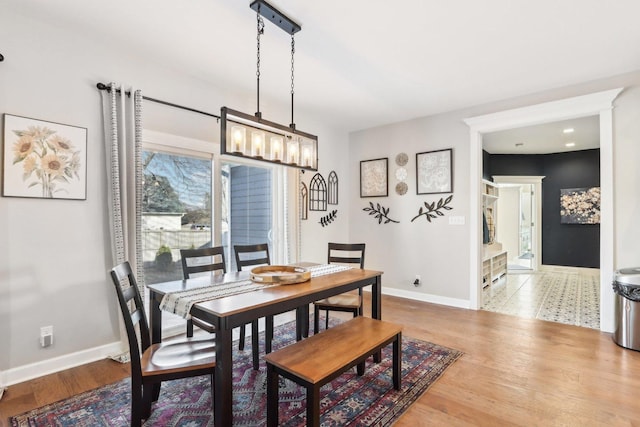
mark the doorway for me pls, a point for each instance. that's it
(601, 104)
(520, 225)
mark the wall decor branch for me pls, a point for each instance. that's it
(433, 211)
(380, 213)
(328, 219)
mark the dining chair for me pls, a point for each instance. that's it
(252, 256)
(153, 363)
(341, 253)
(202, 260)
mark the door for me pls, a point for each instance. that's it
(526, 251)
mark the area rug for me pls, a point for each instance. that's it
(349, 400)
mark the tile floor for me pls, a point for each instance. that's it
(558, 295)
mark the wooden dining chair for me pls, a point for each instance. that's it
(341, 253)
(192, 263)
(253, 256)
(153, 363)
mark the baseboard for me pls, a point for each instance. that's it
(56, 364)
(419, 296)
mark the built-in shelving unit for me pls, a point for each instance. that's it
(494, 258)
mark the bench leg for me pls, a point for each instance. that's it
(313, 406)
(397, 362)
(360, 368)
(272, 396)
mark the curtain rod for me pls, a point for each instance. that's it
(102, 86)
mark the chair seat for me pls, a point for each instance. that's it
(178, 356)
(343, 300)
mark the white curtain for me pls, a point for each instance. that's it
(122, 109)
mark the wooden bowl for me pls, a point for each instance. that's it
(280, 274)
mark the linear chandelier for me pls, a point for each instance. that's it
(251, 136)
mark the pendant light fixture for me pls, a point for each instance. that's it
(251, 136)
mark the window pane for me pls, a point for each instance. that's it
(246, 211)
(176, 211)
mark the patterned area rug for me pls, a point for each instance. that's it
(349, 400)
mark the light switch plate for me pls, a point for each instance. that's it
(456, 220)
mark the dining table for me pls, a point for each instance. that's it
(231, 311)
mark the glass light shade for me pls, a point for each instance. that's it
(307, 154)
(257, 143)
(293, 151)
(277, 148)
(238, 137)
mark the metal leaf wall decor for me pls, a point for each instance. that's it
(328, 219)
(432, 211)
(380, 213)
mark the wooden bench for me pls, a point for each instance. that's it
(319, 359)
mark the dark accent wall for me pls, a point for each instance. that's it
(575, 245)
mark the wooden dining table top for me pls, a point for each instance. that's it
(266, 296)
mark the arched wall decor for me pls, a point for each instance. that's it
(317, 193)
(333, 188)
(304, 198)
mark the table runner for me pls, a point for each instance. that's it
(180, 302)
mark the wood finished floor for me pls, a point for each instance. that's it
(515, 372)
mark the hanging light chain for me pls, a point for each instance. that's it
(293, 50)
(260, 31)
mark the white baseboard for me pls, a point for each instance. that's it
(56, 364)
(419, 296)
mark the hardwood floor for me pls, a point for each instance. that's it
(515, 371)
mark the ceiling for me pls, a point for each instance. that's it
(365, 63)
(545, 138)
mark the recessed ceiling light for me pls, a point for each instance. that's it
(568, 130)
(570, 144)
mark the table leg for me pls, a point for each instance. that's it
(155, 319)
(223, 412)
(302, 322)
(376, 308)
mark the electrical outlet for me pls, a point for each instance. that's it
(46, 336)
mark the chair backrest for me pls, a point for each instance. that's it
(133, 314)
(249, 255)
(346, 253)
(190, 255)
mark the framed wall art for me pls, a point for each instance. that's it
(44, 159)
(374, 177)
(434, 172)
(580, 205)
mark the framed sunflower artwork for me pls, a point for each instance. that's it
(44, 159)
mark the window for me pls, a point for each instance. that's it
(192, 199)
(247, 207)
(176, 210)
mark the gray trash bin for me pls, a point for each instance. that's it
(626, 286)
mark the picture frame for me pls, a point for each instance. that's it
(434, 172)
(580, 205)
(374, 177)
(43, 159)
